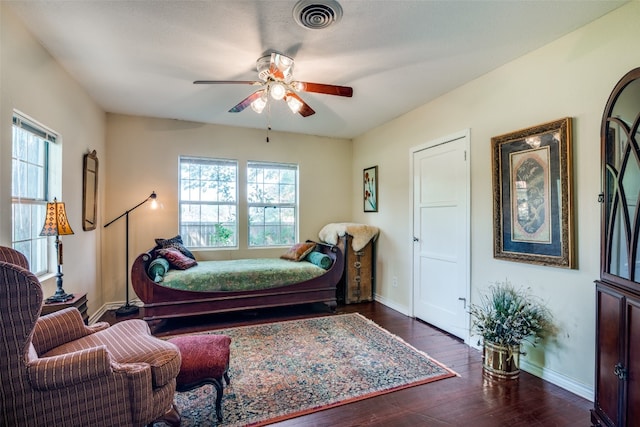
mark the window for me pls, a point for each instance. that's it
(30, 188)
(272, 199)
(208, 202)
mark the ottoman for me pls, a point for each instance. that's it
(205, 360)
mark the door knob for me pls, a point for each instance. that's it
(415, 239)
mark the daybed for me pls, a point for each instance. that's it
(162, 302)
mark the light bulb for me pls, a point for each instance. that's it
(259, 104)
(154, 200)
(277, 91)
(294, 104)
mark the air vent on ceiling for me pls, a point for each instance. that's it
(317, 14)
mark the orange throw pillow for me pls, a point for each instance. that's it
(298, 251)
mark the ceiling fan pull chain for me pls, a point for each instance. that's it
(268, 120)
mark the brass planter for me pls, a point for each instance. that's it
(501, 361)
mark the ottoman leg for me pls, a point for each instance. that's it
(226, 377)
(219, 388)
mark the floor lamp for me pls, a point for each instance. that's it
(56, 224)
(128, 308)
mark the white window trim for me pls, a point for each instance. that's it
(54, 176)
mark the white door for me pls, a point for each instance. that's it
(441, 226)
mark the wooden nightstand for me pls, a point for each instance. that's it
(79, 301)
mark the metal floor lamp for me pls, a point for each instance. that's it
(129, 308)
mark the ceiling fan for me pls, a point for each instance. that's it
(275, 73)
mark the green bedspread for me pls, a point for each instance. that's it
(241, 275)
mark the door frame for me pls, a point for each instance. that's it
(466, 135)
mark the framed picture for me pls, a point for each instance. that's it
(532, 195)
(370, 189)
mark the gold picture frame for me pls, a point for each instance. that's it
(532, 195)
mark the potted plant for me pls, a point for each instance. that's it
(505, 318)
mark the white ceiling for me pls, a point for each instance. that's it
(141, 57)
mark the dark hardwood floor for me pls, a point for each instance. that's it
(467, 400)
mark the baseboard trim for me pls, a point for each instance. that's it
(558, 379)
(110, 306)
(399, 308)
(98, 314)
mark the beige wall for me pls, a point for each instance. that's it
(572, 76)
(32, 82)
(143, 157)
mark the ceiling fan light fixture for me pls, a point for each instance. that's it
(277, 90)
(258, 104)
(294, 104)
(284, 61)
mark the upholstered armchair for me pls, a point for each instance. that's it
(55, 370)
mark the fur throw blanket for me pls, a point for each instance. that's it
(361, 233)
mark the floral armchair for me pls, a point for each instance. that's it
(55, 370)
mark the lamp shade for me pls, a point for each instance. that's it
(277, 90)
(294, 104)
(55, 222)
(259, 104)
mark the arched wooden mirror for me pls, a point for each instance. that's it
(89, 191)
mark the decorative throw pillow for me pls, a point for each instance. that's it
(176, 258)
(321, 260)
(175, 243)
(298, 251)
(157, 269)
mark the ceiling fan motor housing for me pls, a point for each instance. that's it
(283, 62)
(262, 64)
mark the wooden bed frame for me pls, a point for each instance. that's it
(162, 303)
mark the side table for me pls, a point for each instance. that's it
(79, 301)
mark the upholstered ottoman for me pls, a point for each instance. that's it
(205, 360)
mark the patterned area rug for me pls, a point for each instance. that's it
(287, 369)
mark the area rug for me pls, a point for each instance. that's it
(287, 369)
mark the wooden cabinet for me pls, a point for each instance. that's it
(617, 376)
(358, 281)
(79, 301)
(617, 401)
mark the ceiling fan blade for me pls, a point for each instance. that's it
(323, 88)
(305, 110)
(247, 101)
(225, 82)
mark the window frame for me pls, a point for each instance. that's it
(278, 204)
(38, 249)
(181, 203)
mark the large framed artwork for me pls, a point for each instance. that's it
(370, 189)
(532, 195)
